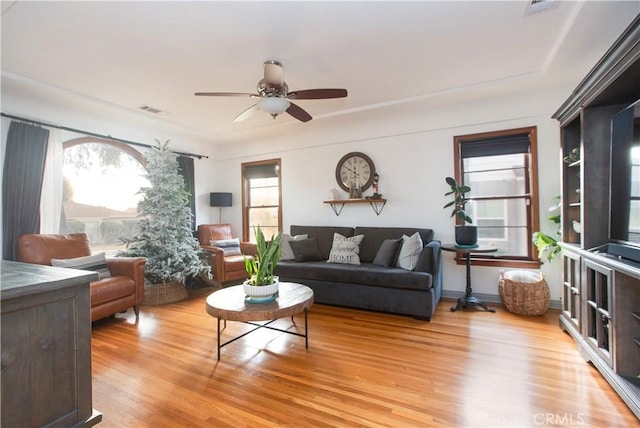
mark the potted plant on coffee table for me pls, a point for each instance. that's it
(262, 285)
(466, 234)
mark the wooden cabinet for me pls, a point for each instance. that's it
(46, 346)
(571, 289)
(598, 328)
(601, 286)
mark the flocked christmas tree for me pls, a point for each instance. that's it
(164, 236)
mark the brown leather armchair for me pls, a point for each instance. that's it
(125, 287)
(225, 267)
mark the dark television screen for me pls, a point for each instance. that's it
(624, 220)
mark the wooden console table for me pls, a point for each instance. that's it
(338, 204)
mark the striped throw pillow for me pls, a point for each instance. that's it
(96, 263)
(231, 247)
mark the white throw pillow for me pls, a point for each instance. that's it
(345, 250)
(410, 251)
(286, 253)
(230, 247)
(95, 262)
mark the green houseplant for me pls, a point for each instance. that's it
(547, 244)
(466, 234)
(163, 236)
(262, 284)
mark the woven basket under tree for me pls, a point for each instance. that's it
(161, 294)
(523, 292)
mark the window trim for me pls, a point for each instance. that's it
(531, 261)
(245, 193)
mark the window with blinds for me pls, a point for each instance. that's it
(501, 169)
(261, 198)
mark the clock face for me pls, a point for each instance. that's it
(355, 170)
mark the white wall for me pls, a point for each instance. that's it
(64, 109)
(411, 145)
(412, 148)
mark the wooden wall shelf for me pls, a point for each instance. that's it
(338, 204)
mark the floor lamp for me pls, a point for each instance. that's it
(220, 199)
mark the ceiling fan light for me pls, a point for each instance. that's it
(274, 105)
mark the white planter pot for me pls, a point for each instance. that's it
(261, 291)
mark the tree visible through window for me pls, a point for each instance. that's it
(500, 168)
(100, 191)
(261, 200)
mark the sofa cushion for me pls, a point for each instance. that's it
(231, 247)
(365, 274)
(306, 250)
(410, 251)
(96, 263)
(345, 250)
(324, 235)
(374, 236)
(286, 253)
(387, 253)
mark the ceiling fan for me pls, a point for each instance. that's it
(275, 96)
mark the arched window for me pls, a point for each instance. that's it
(102, 180)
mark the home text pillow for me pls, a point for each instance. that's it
(410, 251)
(306, 250)
(231, 247)
(387, 253)
(95, 262)
(345, 250)
(286, 253)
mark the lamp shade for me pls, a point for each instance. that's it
(220, 199)
(274, 105)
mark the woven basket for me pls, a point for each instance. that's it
(526, 294)
(161, 294)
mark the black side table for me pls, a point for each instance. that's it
(469, 300)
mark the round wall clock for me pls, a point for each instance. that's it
(355, 170)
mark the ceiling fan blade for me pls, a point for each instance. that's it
(247, 113)
(317, 94)
(298, 113)
(273, 73)
(225, 94)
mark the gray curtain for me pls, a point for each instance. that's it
(24, 159)
(185, 168)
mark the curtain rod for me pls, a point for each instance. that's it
(93, 134)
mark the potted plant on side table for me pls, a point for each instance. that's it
(466, 234)
(262, 285)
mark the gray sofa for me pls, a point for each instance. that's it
(367, 286)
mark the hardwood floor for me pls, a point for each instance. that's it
(467, 368)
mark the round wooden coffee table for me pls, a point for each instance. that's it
(230, 304)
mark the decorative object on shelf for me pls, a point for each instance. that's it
(376, 181)
(163, 236)
(355, 171)
(577, 226)
(262, 285)
(547, 244)
(220, 199)
(466, 235)
(355, 192)
(335, 194)
(573, 156)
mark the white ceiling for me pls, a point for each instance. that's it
(129, 54)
